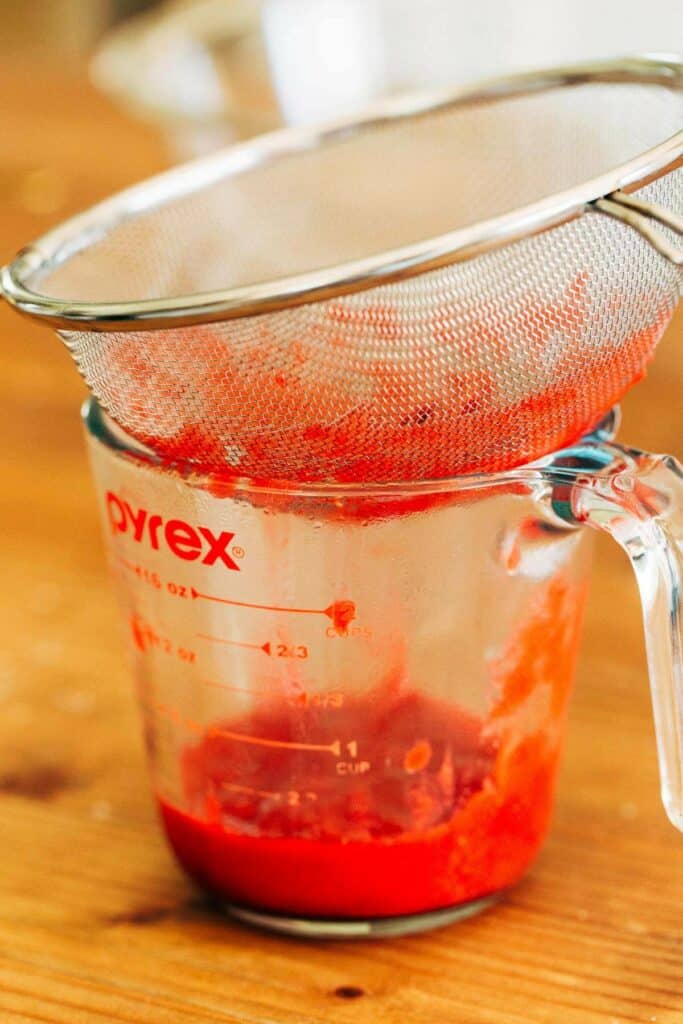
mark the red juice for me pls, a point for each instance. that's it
(275, 407)
(441, 806)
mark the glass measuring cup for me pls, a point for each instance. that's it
(354, 697)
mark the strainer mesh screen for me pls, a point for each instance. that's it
(477, 366)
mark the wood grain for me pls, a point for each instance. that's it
(96, 921)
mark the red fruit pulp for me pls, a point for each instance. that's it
(342, 402)
(412, 804)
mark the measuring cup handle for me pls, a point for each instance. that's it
(637, 498)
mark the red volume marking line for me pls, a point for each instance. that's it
(238, 689)
(128, 565)
(250, 790)
(330, 748)
(340, 612)
(235, 643)
(333, 748)
(262, 607)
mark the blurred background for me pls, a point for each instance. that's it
(206, 71)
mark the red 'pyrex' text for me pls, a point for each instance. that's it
(183, 540)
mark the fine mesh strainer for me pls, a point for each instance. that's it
(457, 283)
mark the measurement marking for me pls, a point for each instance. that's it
(128, 565)
(327, 748)
(262, 607)
(250, 790)
(235, 643)
(175, 715)
(342, 613)
(238, 689)
(280, 650)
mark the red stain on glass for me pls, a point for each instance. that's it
(409, 802)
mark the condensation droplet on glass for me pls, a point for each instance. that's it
(510, 551)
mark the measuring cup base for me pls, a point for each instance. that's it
(377, 928)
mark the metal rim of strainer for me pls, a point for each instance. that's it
(607, 194)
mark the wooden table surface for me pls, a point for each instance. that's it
(96, 921)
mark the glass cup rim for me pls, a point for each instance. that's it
(104, 430)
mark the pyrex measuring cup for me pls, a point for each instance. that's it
(354, 697)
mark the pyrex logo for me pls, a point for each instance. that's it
(183, 540)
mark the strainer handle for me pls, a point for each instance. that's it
(637, 499)
(639, 215)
